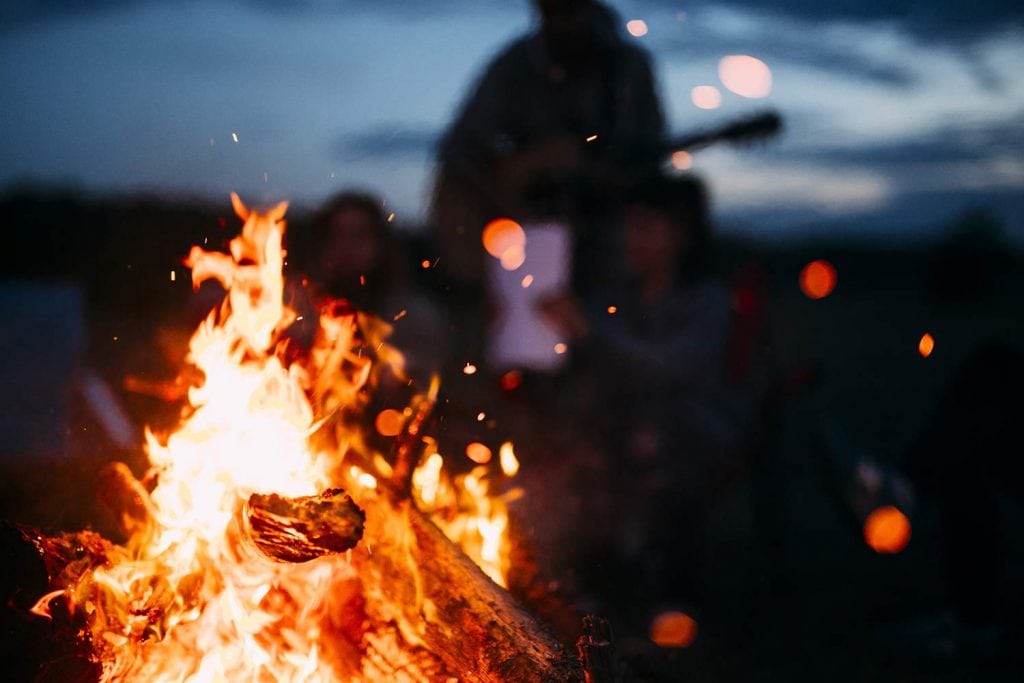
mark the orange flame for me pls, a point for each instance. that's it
(187, 598)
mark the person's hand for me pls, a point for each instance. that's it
(563, 313)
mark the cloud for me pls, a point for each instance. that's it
(931, 20)
(387, 140)
(952, 143)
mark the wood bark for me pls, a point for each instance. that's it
(441, 599)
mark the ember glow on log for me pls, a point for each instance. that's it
(268, 542)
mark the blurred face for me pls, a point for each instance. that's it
(654, 241)
(353, 245)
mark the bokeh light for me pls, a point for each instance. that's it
(478, 453)
(818, 279)
(926, 345)
(706, 97)
(503, 234)
(513, 258)
(887, 530)
(511, 380)
(673, 629)
(636, 27)
(682, 160)
(389, 422)
(745, 75)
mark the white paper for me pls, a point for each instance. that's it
(519, 337)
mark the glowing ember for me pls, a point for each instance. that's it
(887, 530)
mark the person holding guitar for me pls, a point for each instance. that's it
(556, 125)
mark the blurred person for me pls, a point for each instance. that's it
(655, 351)
(557, 124)
(357, 256)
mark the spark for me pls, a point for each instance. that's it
(612, 310)
(399, 315)
(527, 281)
(591, 138)
(391, 216)
(470, 369)
(234, 136)
(561, 348)
(173, 276)
(480, 417)
(507, 458)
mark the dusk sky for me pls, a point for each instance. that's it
(898, 114)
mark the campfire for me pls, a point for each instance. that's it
(269, 541)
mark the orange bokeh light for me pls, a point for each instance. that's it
(478, 453)
(511, 380)
(745, 75)
(673, 629)
(926, 345)
(818, 279)
(389, 422)
(513, 258)
(706, 97)
(887, 530)
(682, 160)
(503, 234)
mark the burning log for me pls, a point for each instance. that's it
(302, 529)
(445, 602)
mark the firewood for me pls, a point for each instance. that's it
(305, 528)
(597, 652)
(415, 576)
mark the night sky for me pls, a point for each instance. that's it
(899, 115)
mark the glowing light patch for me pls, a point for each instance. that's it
(478, 453)
(502, 234)
(706, 97)
(887, 530)
(745, 75)
(818, 279)
(673, 629)
(682, 160)
(926, 345)
(389, 422)
(636, 27)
